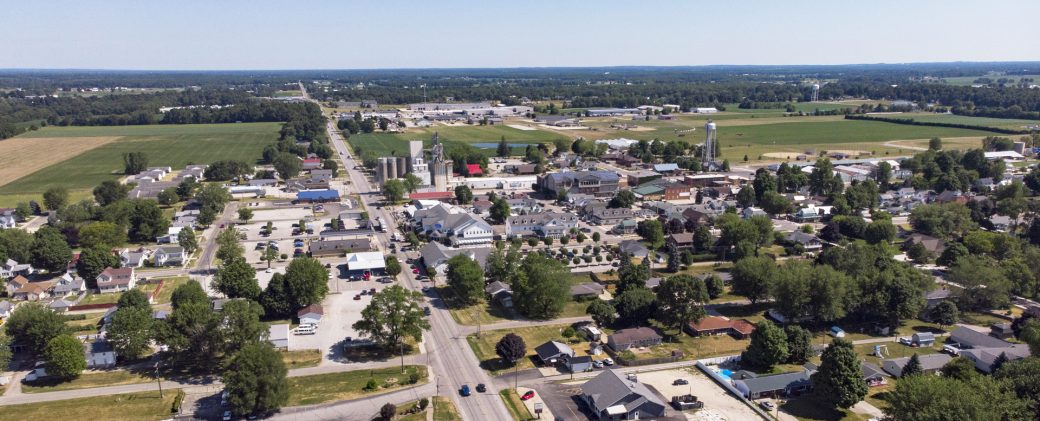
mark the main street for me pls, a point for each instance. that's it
(449, 356)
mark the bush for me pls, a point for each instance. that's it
(177, 400)
(423, 403)
(371, 385)
(413, 377)
(71, 317)
(568, 332)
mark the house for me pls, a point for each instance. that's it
(595, 183)
(716, 325)
(169, 256)
(785, 384)
(99, 354)
(635, 337)
(930, 364)
(809, 242)
(553, 352)
(543, 224)
(586, 290)
(12, 268)
(751, 212)
(8, 219)
(278, 336)
(681, 241)
(983, 349)
(134, 258)
(329, 247)
(16, 283)
(579, 364)
(435, 256)
(634, 248)
(925, 339)
(317, 196)
(668, 169)
(627, 226)
(463, 229)
(115, 280)
(371, 262)
(934, 297)
(311, 164)
(933, 245)
(600, 214)
(1001, 223)
(321, 175)
(33, 291)
(68, 283)
(613, 396)
(501, 293)
(60, 305)
(872, 374)
(310, 314)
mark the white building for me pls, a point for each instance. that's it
(705, 110)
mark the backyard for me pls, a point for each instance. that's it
(309, 390)
(484, 345)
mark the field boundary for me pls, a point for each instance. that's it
(912, 122)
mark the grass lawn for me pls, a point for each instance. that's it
(1002, 123)
(98, 298)
(444, 410)
(88, 380)
(515, 406)
(91, 320)
(172, 145)
(170, 284)
(483, 313)
(301, 358)
(309, 390)
(753, 312)
(695, 347)
(484, 346)
(129, 406)
(808, 407)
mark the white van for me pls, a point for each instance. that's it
(306, 330)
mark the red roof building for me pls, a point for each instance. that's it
(714, 325)
(443, 196)
(474, 169)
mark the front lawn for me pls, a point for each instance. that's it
(444, 410)
(320, 388)
(301, 358)
(87, 380)
(98, 298)
(128, 406)
(169, 284)
(484, 346)
(515, 406)
(809, 408)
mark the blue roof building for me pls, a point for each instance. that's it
(312, 196)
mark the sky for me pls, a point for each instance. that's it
(349, 34)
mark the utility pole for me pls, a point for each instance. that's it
(157, 378)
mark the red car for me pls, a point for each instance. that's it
(528, 395)
(415, 271)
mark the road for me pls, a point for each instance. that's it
(449, 356)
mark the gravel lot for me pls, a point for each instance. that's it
(718, 404)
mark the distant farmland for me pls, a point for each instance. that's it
(165, 145)
(1000, 123)
(384, 144)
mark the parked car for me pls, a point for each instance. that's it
(385, 280)
(357, 297)
(766, 405)
(372, 291)
(481, 388)
(422, 278)
(227, 416)
(608, 361)
(465, 390)
(528, 395)
(415, 271)
(680, 382)
(597, 364)
(427, 311)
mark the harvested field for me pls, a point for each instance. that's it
(25, 155)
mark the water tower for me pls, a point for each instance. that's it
(815, 92)
(710, 141)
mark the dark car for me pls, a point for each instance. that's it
(680, 382)
(481, 388)
(465, 390)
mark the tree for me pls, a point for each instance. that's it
(945, 313)
(511, 348)
(186, 239)
(715, 286)
(652, 232)
(934, 398)
(245, 214)
(240, 324)
(146, 221)
(34, 325)
(503, 150)
(959, 368)
(880, 231)
(130, 331)
(387, 411)
(601, 312)
(191, 331)
(393, 190)
(110, 191)
(228, 246)
(943, 220)
(102, 234)
(466, 278)
(394, 314)
(255, 379)
(5, 351)
(622, 200)
(499, 210)
(839, 380)
(799, 344)
(393, 267)
(463, 194)
(412, 239)
(411, 182)
(64, 357)
(276, 298)
(768, 346)
(541, 287)
(237, 279)
(55, 198)
(50, 250)
(752, 277)
(680, 300)
(93, 261)
(596, 237)
(168, 197)
(702, 240)
(935, 144)
(631, 276)
(22, 211)
(134, 162)
(287, 165)
(134, 298)
(985, 285)
(188, 293)
(912, 367)
(746, 196)
(635, 306)
(306, 280)
(1022, 376)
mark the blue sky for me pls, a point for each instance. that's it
(346, 34)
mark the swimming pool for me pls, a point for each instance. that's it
(725, 373)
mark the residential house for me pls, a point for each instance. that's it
(435, 256)
(329, 247)
(169, 256)
(579, 364)
(600, 214)
(463, 229)
(951, 196)
(1001, 331)
(923, 339)
(613, 396)
(60, 305)
(627, 226)
(933, 245)
(809, 214)
(310, 314)
(596, 183)
(776, 385)
(523, 205)
(553, 352)
(33, 291)
(68, 283)
(321, 175)
(634, 248)
(99, 354)
(751, 212)
(8, 219)
(311, 164)
(134, 258)
(500, 293)
(544, 225)
(635, 337)
(934, 297)
(809, 242)
(872, 374)
(681, 241)
(983, 349)
(116, 280)
(586, 290)
(716, 325)
(13, 285)
(930, 364)
(12, 268)
(1001, 223)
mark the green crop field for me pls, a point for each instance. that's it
(165, 145)
(386, 144)
(829, 132)
(1001, 123)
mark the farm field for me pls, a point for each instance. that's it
(385, 144)
(1002, 123)
(172, 145)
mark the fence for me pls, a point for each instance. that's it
(92, 306)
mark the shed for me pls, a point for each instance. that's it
(923, 339)
(310, 314)
(579, 364)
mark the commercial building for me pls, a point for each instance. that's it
(593, 183)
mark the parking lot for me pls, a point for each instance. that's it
(718, 404)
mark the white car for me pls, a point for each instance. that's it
(227, 416)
